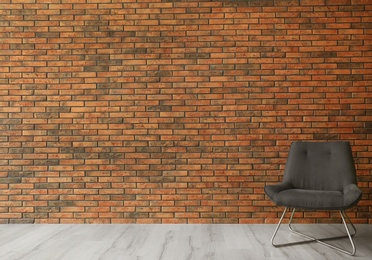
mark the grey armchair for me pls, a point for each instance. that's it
(317, 176)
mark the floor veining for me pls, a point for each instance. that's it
(172, 242)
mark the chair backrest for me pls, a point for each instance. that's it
(320, 166)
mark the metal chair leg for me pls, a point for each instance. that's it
(319, 240)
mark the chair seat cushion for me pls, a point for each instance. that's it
(284, 194)
(311, 199)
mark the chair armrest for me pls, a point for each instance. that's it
(273, 190)
(352, 195)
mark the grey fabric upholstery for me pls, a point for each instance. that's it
(318, 175)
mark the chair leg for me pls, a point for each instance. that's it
(319, 240)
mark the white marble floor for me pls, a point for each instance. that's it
(170, 242)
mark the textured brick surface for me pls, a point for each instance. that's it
(160, 111)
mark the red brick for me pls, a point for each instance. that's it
(174, 112)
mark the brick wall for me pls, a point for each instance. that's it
(159, 111)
